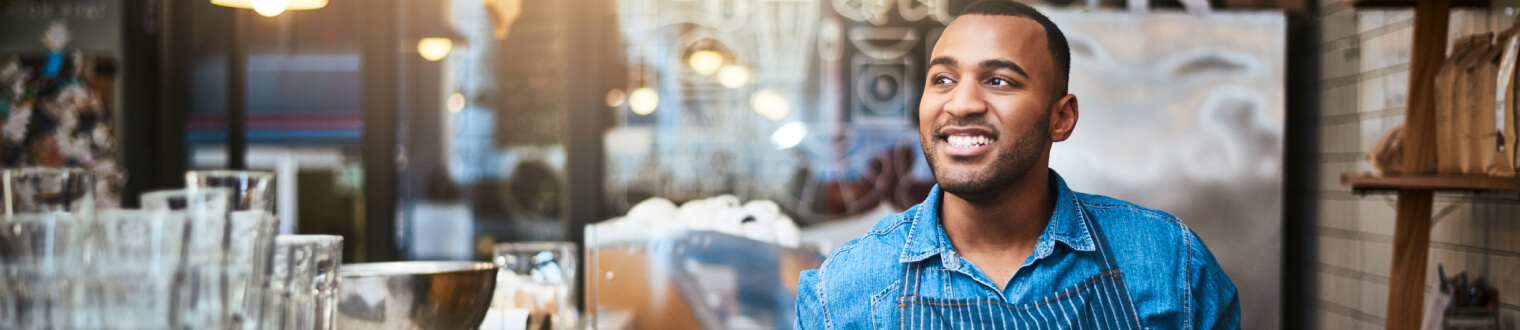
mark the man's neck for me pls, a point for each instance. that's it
(1010, 222)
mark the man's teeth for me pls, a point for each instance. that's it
(968, 141)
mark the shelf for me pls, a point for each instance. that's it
(1369, 181)
(1410, 3)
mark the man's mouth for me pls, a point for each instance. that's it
(967, 137)
(968, 141)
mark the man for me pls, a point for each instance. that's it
(1002, 242)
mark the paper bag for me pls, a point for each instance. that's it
(1504, 160)
(1450, 80)
(1388, 154)
(1481, 139)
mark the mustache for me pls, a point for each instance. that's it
(976, 122)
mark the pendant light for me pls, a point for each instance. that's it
(435, 39)
(270, 8)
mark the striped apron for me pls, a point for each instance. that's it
(1101, 302)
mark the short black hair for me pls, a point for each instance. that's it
(1060, 52)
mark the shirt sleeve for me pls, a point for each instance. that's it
(809, 312)
(1213, 299)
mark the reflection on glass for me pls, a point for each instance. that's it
(36, 189)
(251, 190)
(303, 291)
(538, 278)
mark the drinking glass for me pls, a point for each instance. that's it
(250, 189)
(248, 264)
(538, 277)
(38, 189)
(199, 296)
(136, 255)
(303, 289)
(42, 271)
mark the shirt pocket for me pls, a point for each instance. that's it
(884, 309)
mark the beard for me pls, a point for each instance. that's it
(1010, 163)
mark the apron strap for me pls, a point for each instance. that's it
(1107, 264)
(912, 276)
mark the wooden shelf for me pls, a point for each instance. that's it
(1369, 181)
(1410, 3)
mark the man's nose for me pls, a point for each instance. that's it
(966, 100)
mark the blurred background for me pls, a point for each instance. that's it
(435, 129)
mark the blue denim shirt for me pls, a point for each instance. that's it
(1171, 279)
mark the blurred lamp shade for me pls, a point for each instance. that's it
(270, 8)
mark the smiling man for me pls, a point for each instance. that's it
(1001, 242)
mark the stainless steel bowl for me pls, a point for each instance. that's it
(415, 295)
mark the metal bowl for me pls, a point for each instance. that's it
(415, 295)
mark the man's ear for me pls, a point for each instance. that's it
(1063, 118)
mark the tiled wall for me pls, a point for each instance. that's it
(1364, 75)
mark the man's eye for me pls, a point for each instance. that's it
(941, 81)
(999, 82)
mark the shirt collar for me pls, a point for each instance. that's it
(927, 238)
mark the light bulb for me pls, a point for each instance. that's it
(643, 101)
(456, 102)
(789, 135)
(615, 98)
(733, 76)
(434, 49)
(269, 8)
(705, 62)
(770, 104)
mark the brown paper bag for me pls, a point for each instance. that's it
(1469, 100)
(1481, 141)
(1512, 115)
(1388, 154)
(1504, 160)
(1449, 81)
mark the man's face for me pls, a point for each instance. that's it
(984, 120)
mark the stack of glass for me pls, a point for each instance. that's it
(197, 258)
(44, 268)
(537, 279)
(138, 256)
(304, 286)
(42, 271)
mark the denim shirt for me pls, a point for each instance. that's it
(1170, 280)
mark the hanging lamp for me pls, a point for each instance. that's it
(270, 8)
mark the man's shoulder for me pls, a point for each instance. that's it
(867, 264)
(1148, 242)
(1164, 262)
(1116, 215)
(882, 245)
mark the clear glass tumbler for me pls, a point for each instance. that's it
(303, 291)
(251, 190)
(539, 278)
(37, 189)
(199, 296)
(42, 272)
(249, 264)
(136, 256)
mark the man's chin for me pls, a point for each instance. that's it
(959, 182)
(974, 191)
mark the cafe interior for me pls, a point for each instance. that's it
(677, 164)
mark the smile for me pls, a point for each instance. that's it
(968, 141)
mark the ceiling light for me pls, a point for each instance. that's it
(705, 62)
(270, 8)
(733, 76)
(434, 49)
(770, 104)
(643, 101)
